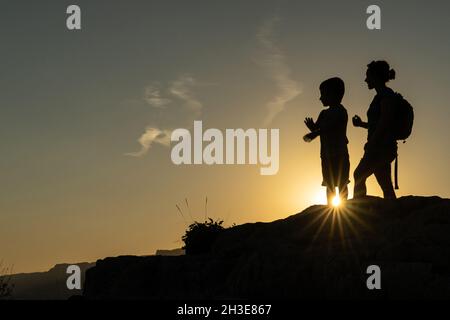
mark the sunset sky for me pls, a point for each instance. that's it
(76, 183)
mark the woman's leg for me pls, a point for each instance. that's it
(362, 172)
(384, 178)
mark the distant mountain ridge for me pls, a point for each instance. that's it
(51, 284)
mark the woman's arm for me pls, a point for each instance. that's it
(357, 122)
(365, 125)
(385, 122)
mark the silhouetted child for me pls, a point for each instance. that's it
(331, 126)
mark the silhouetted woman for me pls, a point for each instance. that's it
(381, 147)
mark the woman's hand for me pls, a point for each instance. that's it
(357, 122)
(309, 122)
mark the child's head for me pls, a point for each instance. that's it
(332, 91)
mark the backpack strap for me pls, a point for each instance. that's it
(396, 173)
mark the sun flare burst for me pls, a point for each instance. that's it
(336, 202)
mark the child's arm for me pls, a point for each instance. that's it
(312, 126)
(311, 136)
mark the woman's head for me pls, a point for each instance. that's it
(378, 73)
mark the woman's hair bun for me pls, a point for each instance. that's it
(391, 74)
(382, 70)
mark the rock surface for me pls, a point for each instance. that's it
(171, 252)
(318, 253)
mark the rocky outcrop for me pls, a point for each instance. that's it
(318, 253)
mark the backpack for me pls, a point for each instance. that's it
(404, 118)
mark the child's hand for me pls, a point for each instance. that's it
(309, 122)
(308, 137)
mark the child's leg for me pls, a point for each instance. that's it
(343, 192)
(330, 195)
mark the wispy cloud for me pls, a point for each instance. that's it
(154, 97)
(151, 136)
(178, 93)
(182, 89)
(275, 65)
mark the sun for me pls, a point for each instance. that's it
(336, 202)
(321, 198)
